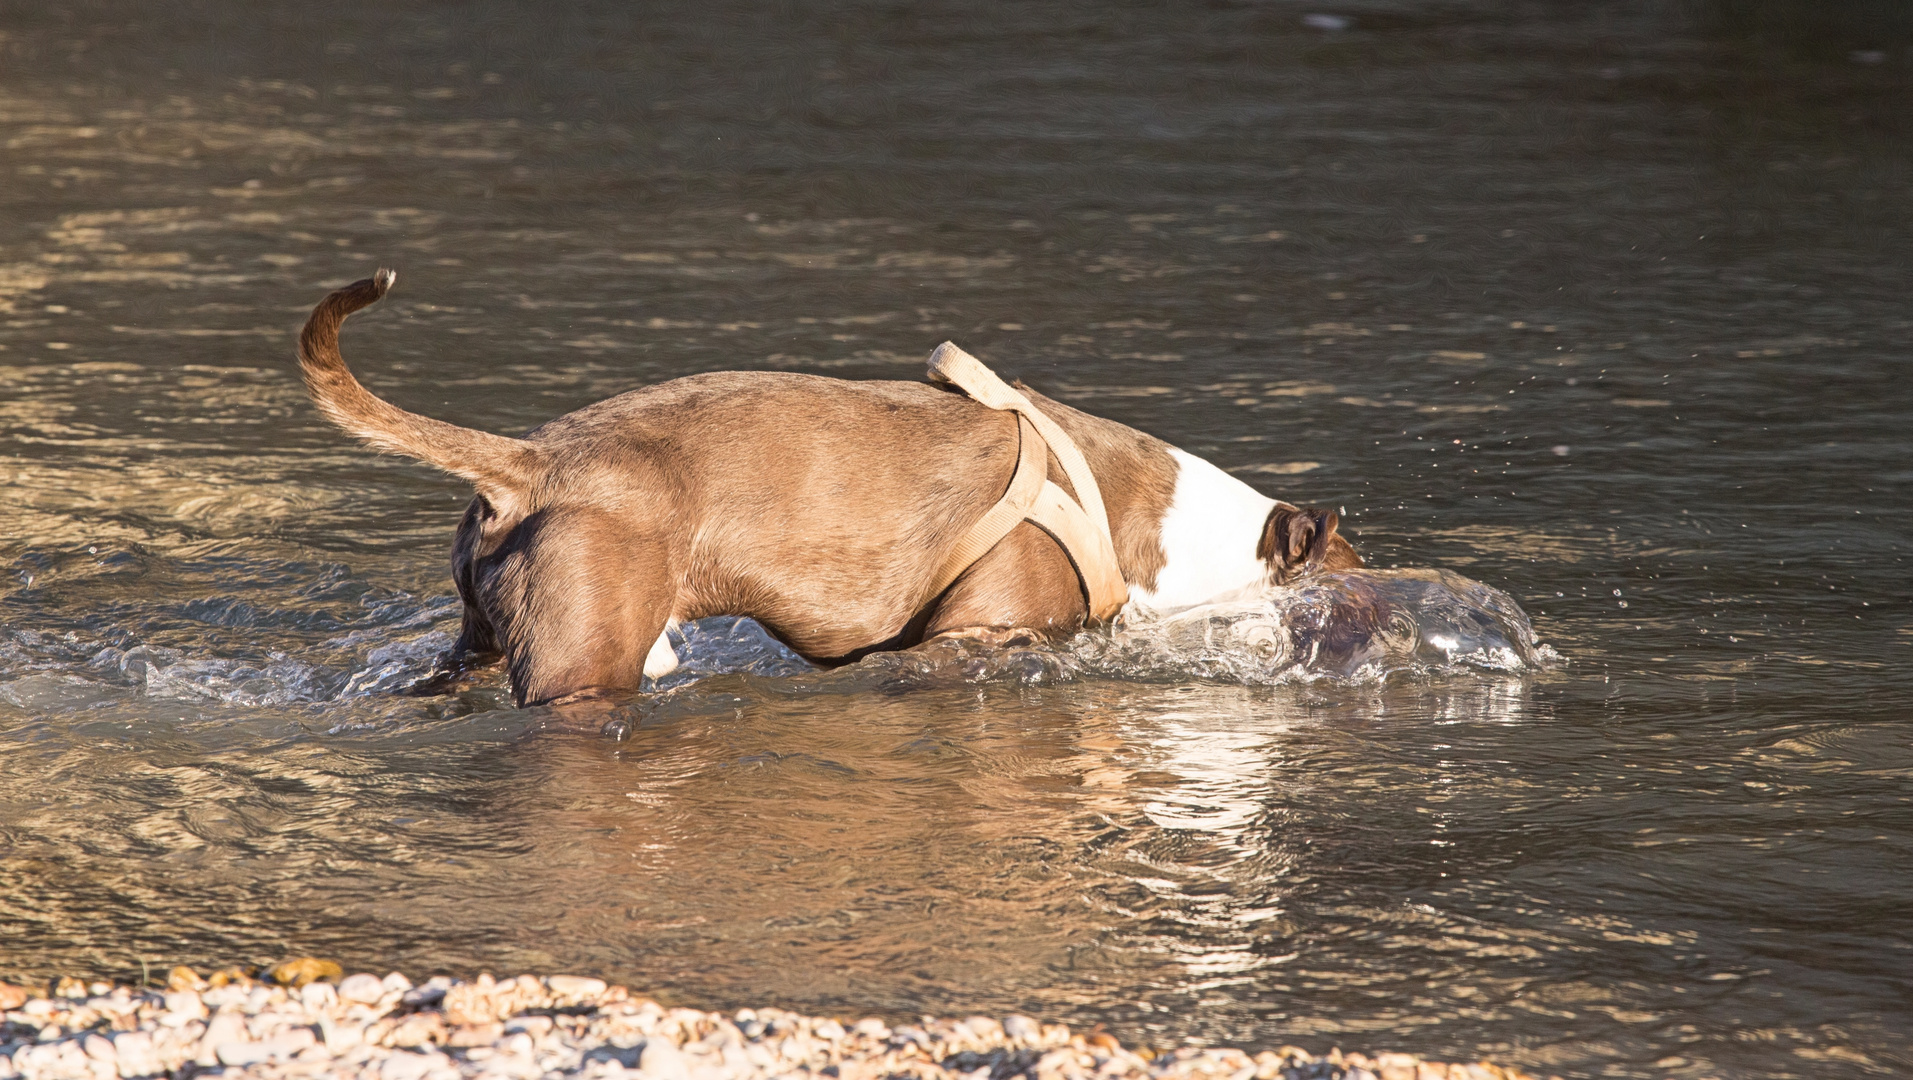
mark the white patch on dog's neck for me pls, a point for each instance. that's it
(1209, 535)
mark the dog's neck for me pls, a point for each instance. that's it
(1209, 536)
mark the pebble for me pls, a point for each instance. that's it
(229, 1026)
(136, 1054)
(249, 1052)
(184, 978)
(571, 988)
(363, 989)
(306, 1020)
(182, 1008)
(660, 1060)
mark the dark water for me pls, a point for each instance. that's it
(1605, 306)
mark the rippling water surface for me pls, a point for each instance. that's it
(1594, 316)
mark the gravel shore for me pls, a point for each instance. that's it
(306, 1019)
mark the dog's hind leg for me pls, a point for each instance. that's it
(1024, 586)
(580, 604)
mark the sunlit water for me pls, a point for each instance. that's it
(1594, 320)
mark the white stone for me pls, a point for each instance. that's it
(405, 1065)
(280, 1046)
(100, 1048)
(574, 988)
(226, 1026)
(318, 996)
(176, 1046)
(182, 1008)
(71, 1063)
(510, 1068)
(340, 1035)
(1022, 1029)
(136, 1055)
(55, 1061)
(221, 996)
(661, 1061)
(396, 982)
(361, 988)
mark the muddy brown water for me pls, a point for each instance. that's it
(1603, 306)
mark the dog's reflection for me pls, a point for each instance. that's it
(909, 843)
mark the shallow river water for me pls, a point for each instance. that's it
(1604, 307)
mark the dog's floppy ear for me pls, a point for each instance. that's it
(1296, 539)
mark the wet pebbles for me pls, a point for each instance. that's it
(306, 1018)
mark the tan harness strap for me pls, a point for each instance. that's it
(1087, 546)
(1025, 485)
(1080, 525)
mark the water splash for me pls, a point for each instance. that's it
(276, 679)
(1355, 626)
(728, 645)
(1358, 626)
(273, 679)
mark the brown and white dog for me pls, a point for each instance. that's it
(822, 508)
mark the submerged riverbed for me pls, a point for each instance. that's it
(1601, 308)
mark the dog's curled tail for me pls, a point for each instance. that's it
(501, 467)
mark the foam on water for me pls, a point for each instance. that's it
(276, 678)
(68, 673)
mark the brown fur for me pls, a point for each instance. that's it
(1025, 582)
(1137, 477)
(1301, 539)
(819, 507)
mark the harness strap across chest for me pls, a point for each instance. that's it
(1080, 525)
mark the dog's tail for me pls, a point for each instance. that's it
(502, 467)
